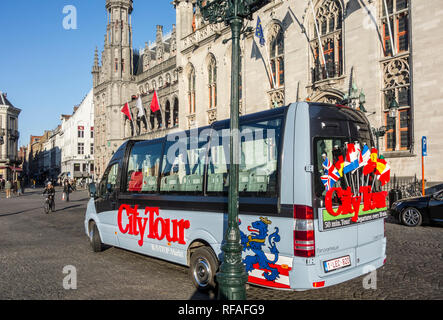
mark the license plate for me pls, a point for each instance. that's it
(338, 263)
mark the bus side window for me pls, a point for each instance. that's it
(183, 165)
(260, 145)
(218, 162)
(109, 180)
(143, 167)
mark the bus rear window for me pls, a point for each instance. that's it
(330, 162)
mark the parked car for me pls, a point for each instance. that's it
(434, 189)
(414, 211)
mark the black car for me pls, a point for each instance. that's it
(434, 189)
(417, 210)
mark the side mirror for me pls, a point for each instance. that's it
(92, 190)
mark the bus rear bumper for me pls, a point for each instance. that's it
(308, 273)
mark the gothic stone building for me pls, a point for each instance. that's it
(123, 76)
(314, 50)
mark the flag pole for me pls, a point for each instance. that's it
(393, 48)
(259, 30)
(270, 67)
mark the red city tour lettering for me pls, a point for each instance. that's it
(159, 228)
(351, 204)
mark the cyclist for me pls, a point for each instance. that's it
(51, 195)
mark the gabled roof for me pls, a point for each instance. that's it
(4, 101)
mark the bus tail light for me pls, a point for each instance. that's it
(304, 239)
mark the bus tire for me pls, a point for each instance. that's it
(94, 238)
(203, 268)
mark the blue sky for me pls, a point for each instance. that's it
(45, 69)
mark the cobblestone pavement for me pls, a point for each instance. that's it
(35, 248)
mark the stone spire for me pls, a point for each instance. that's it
(95, 68)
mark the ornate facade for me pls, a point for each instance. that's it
(359, 49)
(9, 134)
(122, 76)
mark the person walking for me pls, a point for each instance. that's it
(67, 190)
(19, 187)
(8, 189)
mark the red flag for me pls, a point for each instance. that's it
(125, 110)
(155, 106)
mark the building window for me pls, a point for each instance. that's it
(191, 90)
(396, 73)
(81, 148)
(92, 149)
(398, 131)
(277, 60)
(327, 58)
(81, 131)
(92, 132)
(397, 13)
(175, 113)
(116, 64)
(212, 83)
(168, 114)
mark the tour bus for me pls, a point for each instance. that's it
(168, 198)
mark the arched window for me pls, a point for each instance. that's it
(277, 56)
(398, 12)
(327, 28)
(397, 75)
(191, 90)
(212, 82)
(168, 119)
(175, 113)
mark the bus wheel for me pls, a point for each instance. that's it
(202, 269)
(94, 238)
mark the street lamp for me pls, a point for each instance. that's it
(379, 133)
(232, 277)
(393, 108)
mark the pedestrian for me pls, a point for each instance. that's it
(14, 187)
(19, 187)
(66, 190)
(8, 189)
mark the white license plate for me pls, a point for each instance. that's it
(338, 263)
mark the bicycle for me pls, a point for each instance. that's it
(49, 204)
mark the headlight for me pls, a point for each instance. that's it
(394, 205)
